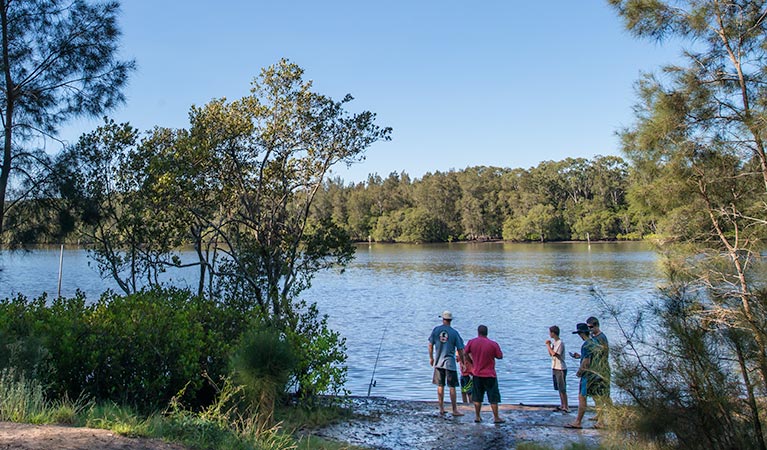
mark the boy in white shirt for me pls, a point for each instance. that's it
(558, 367)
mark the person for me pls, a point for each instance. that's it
(483, 353)
(556, 349)
(466, 381)
(600, 369)
(584, 373)
(447, 342)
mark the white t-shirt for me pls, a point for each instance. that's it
(558, 360)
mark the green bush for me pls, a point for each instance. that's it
(321, 354)
(263, 362)
(139, 349)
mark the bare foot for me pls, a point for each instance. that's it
(457, 413)
(499, 420)
(442, 412)
(478, 420)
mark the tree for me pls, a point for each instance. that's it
(269, 154)
(58, 60)
(699, 140)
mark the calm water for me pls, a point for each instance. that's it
(391, 295)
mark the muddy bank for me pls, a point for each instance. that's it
(393, 424)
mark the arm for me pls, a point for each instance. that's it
(585, 363)
(461, 356)
(498, 352)
(549, 348)
(431, 354)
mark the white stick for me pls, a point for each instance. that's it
(61, 265)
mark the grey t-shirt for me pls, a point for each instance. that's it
(446, 341)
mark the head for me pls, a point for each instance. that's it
(482, 330)
(554, 331)
(582, 330)
(593, 324)
(447, 317)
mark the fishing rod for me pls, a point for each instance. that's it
(372, 377)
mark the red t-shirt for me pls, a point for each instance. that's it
(483, 352)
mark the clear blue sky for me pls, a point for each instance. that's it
(503, 83)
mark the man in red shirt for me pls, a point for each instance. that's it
(483, 352)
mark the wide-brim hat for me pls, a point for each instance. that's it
(581, 328)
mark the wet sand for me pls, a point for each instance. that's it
(393, 424)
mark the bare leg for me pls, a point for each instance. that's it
(563, 401)
(477, 410)
(496, 417)
(454, 403)
(441, 398)
(581, 411)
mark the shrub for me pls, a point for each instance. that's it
(262, 362)
(139, 349)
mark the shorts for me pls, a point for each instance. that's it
(560, 380)
(489, 385)
(466, 384)
(441, 376)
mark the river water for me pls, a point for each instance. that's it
(388, 300)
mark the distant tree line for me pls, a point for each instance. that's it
(572, 199)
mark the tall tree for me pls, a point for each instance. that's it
(58, 60)
(701, 126)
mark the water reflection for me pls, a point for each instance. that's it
(390, 296)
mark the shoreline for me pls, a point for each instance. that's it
(380, 423)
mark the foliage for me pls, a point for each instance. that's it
(262, 362)
(321, 354)
(553, 201)
(699, 150)
(59, 61)
(682, 383)
(140, 349)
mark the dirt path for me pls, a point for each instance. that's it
(21, 436)
(392, 424)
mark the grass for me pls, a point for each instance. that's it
(220, 426)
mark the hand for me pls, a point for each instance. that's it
(548, 342)
(576, 355)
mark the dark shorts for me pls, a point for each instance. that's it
(442, 376)
(560, 380)
(489, 385)
(466, 384)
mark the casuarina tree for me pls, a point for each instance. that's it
(699, 152)
(59, 60)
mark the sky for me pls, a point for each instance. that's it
(497, 83)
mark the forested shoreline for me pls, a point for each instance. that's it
(576, 199)
(573, 199)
